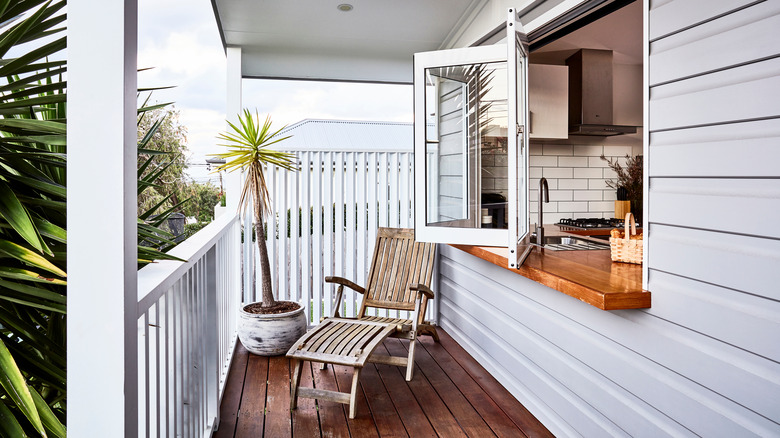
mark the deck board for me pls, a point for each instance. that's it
(305, 420)
(251, 413)
(451, 395)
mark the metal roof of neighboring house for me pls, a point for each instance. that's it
(347, 135)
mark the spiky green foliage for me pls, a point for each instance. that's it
(32, 219)
(248, 150)
(33, 239)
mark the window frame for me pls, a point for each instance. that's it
(514, 52)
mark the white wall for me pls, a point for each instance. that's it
(705, 359)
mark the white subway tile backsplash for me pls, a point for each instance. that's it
(617, 151)
(581, 184)
(559, 195)
(576, 178)
(573, 161)
(588, 150)
(587, 195)
(549, 207)
(558, 149)
(598, 184)
(573, 207)
(587, 172)
(553, 218)
(544, 161)
(559, 172)
(597, 162)
(606, 206)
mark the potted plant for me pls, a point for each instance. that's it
(268, 327)
(629, 182)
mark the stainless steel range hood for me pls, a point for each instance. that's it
(590, 94)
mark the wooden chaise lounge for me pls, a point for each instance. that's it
(399, 279)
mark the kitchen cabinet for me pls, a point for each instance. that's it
(548, 99)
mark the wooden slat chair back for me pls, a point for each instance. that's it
(398, 261)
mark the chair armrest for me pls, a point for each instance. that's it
(345, 282)
(421, 288)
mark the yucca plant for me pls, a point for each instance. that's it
(248, 143)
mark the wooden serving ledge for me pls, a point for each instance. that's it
(589, 276)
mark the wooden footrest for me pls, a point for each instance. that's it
(337, 341)
(341, 341)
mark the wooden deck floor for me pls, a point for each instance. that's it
(451, 395)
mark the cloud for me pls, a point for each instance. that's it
(180, 39)
(292, 101)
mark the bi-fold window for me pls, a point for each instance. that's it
(471, 144)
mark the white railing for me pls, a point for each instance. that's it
(350, 194)
(187, 332)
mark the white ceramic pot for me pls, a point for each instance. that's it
(270, 335)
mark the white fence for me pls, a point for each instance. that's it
(187, 331)
(326, 219)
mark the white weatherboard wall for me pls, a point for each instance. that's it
(705, 359)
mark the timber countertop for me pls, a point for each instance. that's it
(589, 276)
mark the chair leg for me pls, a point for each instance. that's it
(410, 359)
(296, 381)
(323, 366)
(430, 330)
(353, 394)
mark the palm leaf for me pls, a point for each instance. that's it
(50, 421)
(9, 425)
(19, 218)
(29, 257)
(13, 382)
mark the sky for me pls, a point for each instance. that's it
(179, 41)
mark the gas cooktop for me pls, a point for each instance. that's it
(591, 223)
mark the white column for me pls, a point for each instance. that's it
(233, 179)
(102, 273)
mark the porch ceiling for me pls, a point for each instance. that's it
(313, 39)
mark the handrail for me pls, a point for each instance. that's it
(156, 278)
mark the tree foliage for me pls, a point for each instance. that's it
(169, 138)
(173, 187)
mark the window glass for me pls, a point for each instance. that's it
(466, 146)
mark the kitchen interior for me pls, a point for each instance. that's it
(585, 99)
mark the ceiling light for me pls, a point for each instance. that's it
(344, 7)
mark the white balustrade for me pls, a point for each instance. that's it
(187, 332)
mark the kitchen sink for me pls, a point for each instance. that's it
(566, 243)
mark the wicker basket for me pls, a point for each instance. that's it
(627, 250)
